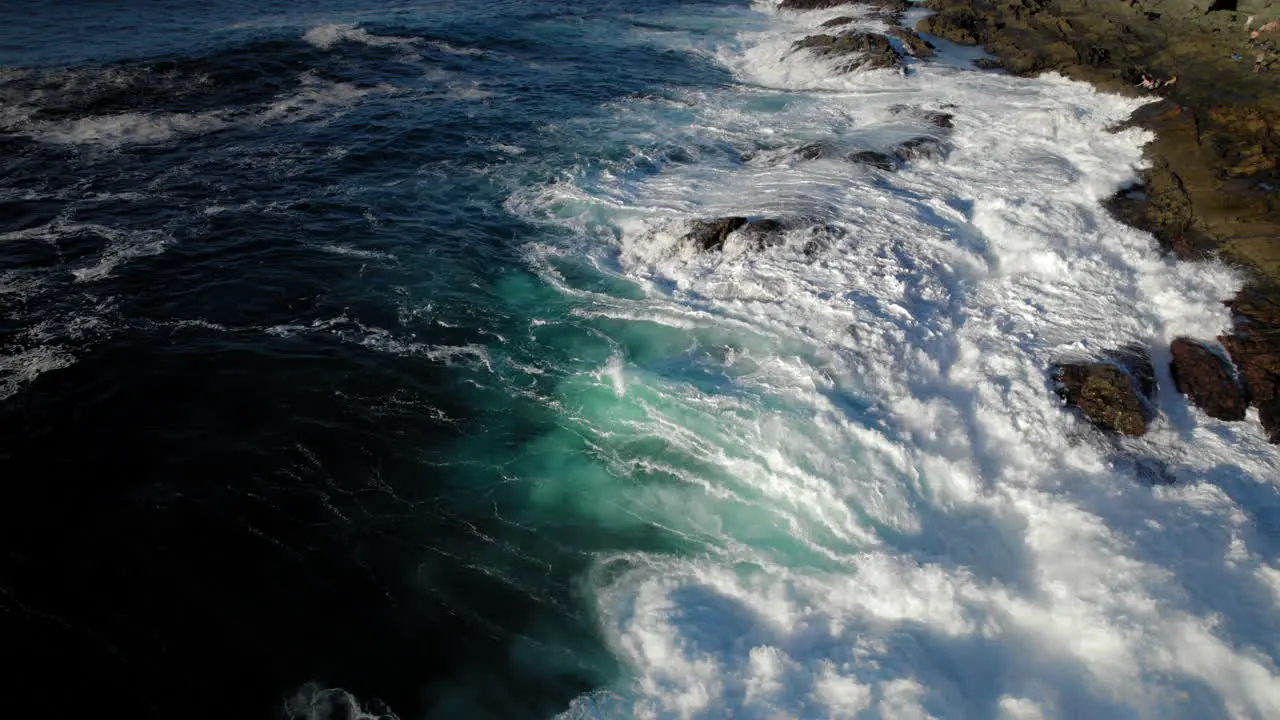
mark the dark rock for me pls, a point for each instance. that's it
(988, 64)
(1105, 393)
(916, 45)
(921, 147)
(1206, 380)
(837, 22)
(812, 4)
(1137, 362)
(779, 155)
(857, 50)
(939, 120)
(710, 234)
(765, 232)
(959, 25)
(879, 160)
(812, 151)
(1257, 353)
(889, 7)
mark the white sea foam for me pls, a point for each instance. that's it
(899, 518)
(329, 35)
(19, 369)
(313, 98)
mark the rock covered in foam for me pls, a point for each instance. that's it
(893, 7)
(916, 45)
(1110, 393)
(855, 50)
(1206, 380)
(923, 146)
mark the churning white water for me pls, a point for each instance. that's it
(897, 517)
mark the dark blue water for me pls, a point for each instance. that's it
(262, 305)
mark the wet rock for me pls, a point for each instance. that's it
(1135, 360)
(710, 234)
(811, 151)
(1206, 380)
(854, 50)
(916, 45)
(889, 7)
(936, 118)
(763, 233)
(924, 146)
(812, 4)
(1255, 349)
(913, 149)
(941, 120)
(780, 155)
(875, 159)
(1105, 393)
(837, 22)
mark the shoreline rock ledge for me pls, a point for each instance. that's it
(1211, 188)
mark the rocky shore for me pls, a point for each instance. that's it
(1212, 71)
(1213, 188)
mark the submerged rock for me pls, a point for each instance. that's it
(856, 50)
(874, 158)
(1206, 380)
(1106, 393)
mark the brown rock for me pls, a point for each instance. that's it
(1206, 380)
(1105, 393)
(1258, 357)
(893, 7)
(959, 25)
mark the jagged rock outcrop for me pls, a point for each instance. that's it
(710, 235)
(959, 25)
(874, 158)
(924, 146)
(1255, 349)
(887, 7)
(916, 45)
(1206, 379)
(1105, 394)
(837, 22)
(853, 50)
(1112, 394)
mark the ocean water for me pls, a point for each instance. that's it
(353, 364)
